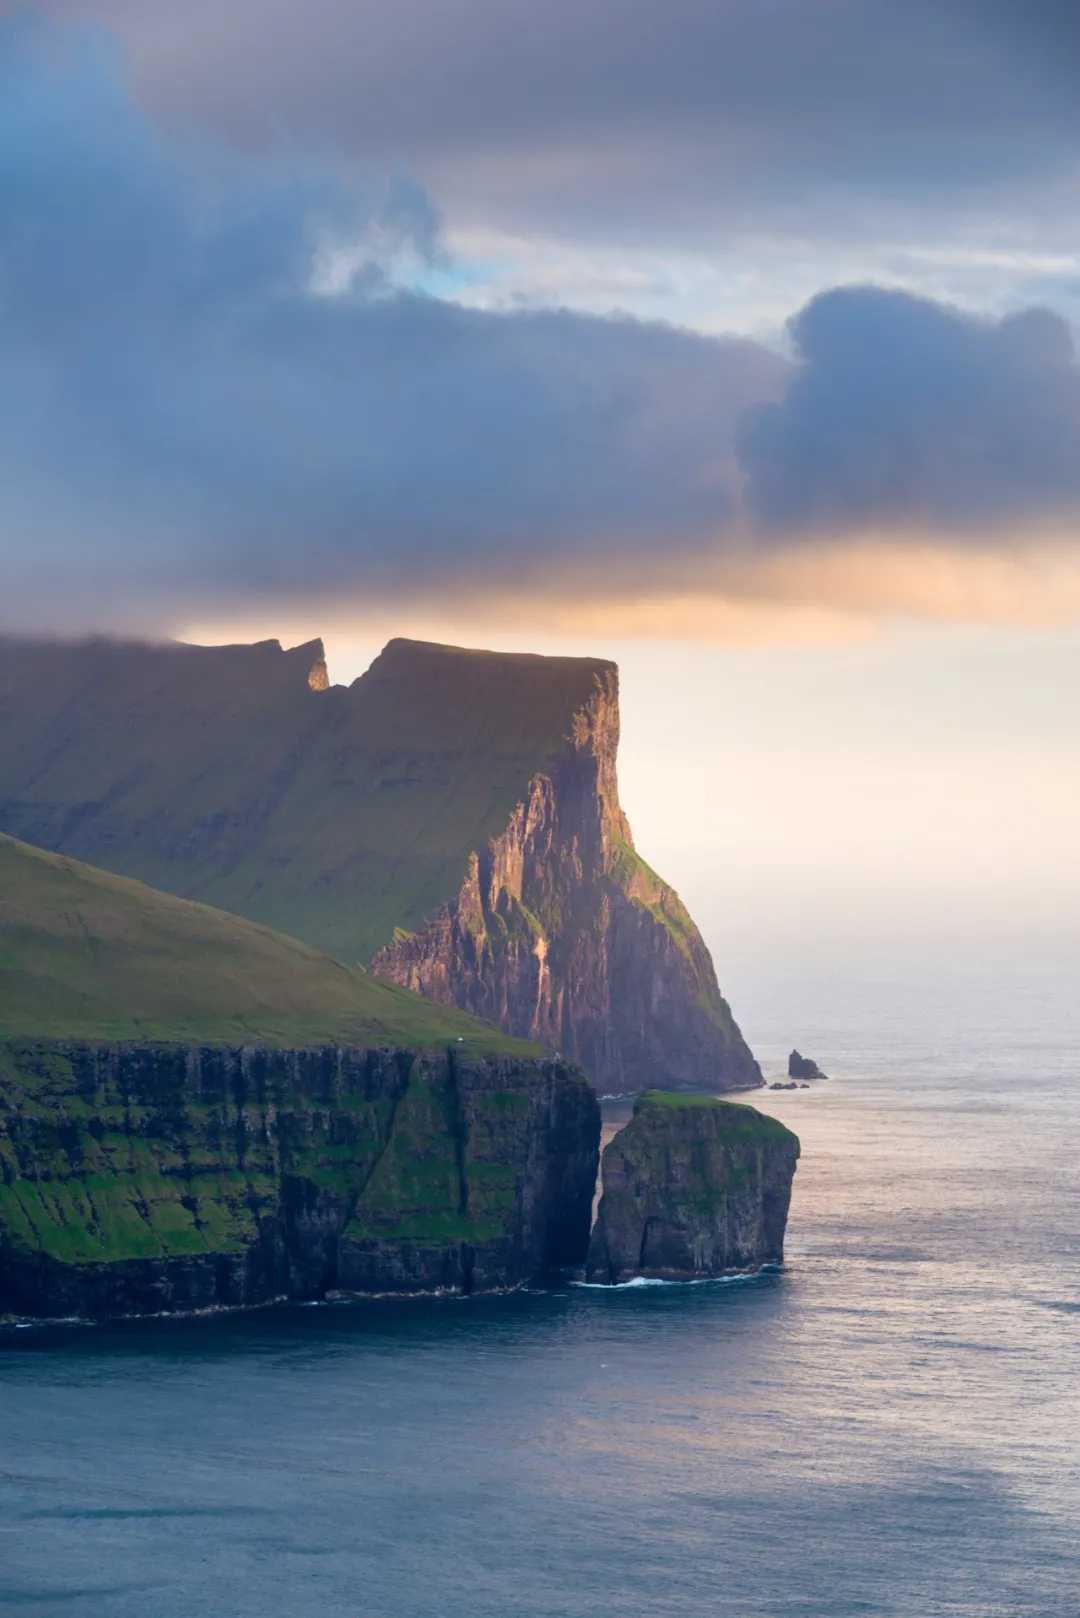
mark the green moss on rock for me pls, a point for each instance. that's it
(172, 1177)
(739, 1120)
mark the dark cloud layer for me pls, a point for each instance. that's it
(185, 423)
(179, 406)
(716, 115)
(908, 415)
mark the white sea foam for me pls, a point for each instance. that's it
(656, 1281)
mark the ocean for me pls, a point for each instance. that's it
(889, 1427)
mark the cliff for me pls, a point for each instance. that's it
(452, 818)
(561, 933)
(195, 1110)
(147, 1178)
(692, 1187)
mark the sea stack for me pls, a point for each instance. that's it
(803, 1067)
(692, 1187)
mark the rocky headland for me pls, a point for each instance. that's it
(451, 820)
(692, 1187)
(198, 1111)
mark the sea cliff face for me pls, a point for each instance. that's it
(561, 933)
(139, 1179)
(692, 1187)
(453, 816)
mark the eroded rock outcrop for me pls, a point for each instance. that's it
(136, 1179)
(692, 1187)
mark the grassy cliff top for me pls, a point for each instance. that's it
(88, 955)
(733, 1116)
(459, 702)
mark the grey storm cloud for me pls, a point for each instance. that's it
(712, 115)
(187, 420)
(182, 410)
(908, 415)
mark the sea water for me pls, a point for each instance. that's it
(889, 1427)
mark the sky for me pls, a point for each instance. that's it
(737, 341)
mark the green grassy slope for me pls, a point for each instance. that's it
(738, 1121)
(222, 775)
(88, 955)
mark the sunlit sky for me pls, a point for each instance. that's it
(733, 342)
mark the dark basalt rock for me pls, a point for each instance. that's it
(144, 1179)
(803, 1067)
(692, 1187)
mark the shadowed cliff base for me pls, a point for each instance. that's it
(452, 818)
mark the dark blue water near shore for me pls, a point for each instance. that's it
(891, 1427)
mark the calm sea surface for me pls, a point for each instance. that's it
(889, 1427)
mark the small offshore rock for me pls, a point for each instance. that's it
(803, 1067)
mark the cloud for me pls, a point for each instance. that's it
(186, 414)
(192, 424)
(911, 416)
(696, 120)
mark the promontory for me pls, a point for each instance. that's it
(451, 820)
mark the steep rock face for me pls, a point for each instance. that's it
(452, 816)
(561, 933)
(692, 1187)
(137, 1179)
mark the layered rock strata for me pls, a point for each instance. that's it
(692, 1187)
(139, 1179)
